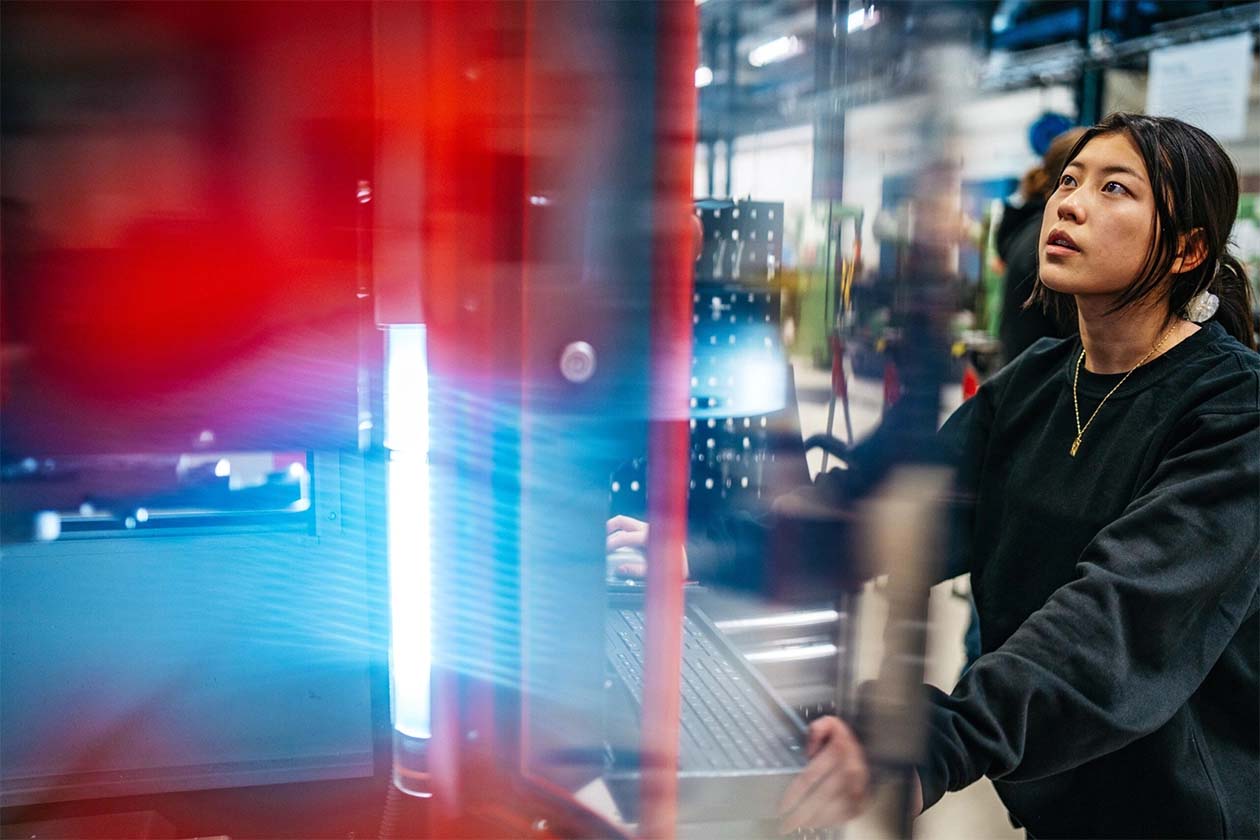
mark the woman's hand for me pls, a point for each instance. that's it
(628, 532)
(833, 788)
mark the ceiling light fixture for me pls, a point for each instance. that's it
(863, 19)
(777, 50)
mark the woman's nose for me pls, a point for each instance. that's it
(1071, 208)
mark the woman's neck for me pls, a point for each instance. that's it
(1117, 342)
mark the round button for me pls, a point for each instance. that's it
(577, 362)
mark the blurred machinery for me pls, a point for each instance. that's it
(334, 244)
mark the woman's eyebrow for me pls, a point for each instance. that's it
(1110, 170)
(1123, 170)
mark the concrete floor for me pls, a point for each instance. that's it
(971, 814)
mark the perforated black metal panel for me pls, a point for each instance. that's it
(743, 242)
(739, 383)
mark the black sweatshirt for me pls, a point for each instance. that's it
(1117, 590)
(1118, 596)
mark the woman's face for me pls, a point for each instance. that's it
(1099, 222)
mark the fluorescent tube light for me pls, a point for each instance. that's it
(776, 50)
(407, 529)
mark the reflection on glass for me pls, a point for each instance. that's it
(105, 495)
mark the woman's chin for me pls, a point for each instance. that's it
(1078, 286)
(1067, 282)
(1063, 285)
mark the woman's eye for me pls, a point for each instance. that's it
(1115, 187)
(1067, 181)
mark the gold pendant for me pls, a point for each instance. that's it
(1076, 444)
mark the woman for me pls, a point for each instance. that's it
(1114, 536)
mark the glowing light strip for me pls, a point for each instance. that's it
(407, 515)
(796, 619)
(777, 50)
(795, 654)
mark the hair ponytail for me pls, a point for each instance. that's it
(1230, 284)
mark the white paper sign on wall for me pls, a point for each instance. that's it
(1204, 83)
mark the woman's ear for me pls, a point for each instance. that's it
(1190, 252)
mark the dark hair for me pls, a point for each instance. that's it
(1195, 186)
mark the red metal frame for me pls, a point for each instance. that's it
(672, 283)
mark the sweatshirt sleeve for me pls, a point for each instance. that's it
(963, 441)
(1112, 655)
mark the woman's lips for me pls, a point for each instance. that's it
(1059, 244)
(1053, 250)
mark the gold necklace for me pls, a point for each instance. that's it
(1076, 406)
